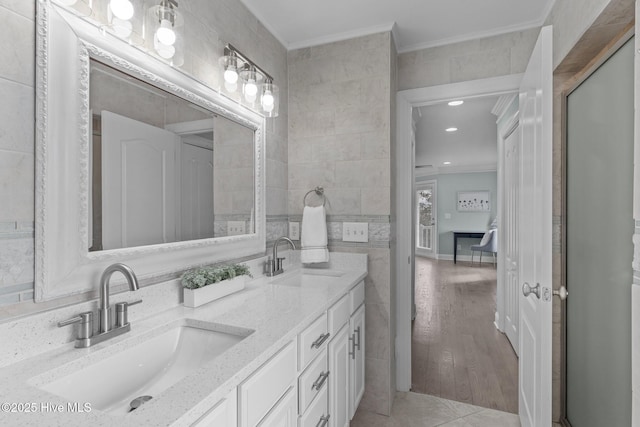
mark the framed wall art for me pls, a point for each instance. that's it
(473, 201)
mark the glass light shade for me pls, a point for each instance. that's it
(269, 100)
(122, 9)
(250, 81)
(164, 31)
(122, 28)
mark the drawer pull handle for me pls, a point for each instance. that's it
(352, 352)
(320, 381)
(323, 421)
(357, 344)
(321, 339)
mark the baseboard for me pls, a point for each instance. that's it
(448, 257)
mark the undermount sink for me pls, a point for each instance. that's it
(322, 272)
(147, 368)
(308, 277)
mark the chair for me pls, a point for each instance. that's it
(489, 243)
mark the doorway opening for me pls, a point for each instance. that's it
(457, 351)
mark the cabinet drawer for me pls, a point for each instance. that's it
(265, 387)
(318, 411)
(312, 341)
(356, 296)
(338, 315)
(313, 381)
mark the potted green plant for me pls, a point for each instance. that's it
(206, 284)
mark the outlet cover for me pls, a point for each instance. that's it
(294, 230)
(235, 227)
(355, 232)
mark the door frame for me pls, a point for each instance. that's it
(404, 189)
(433, 184)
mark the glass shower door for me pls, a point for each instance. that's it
(600, 227)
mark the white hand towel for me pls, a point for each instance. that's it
(314, 235)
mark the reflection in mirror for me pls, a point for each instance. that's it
(162, 168)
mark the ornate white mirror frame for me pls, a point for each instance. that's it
(64, 265)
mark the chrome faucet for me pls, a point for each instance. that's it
(274, 265)
(105, 309)
(85, 335)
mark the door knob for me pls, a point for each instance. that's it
(562, 293)
(527, 289)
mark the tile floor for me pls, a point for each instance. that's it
(421, 410)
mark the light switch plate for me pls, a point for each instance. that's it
(235, 227)
(294, 230)
(355, 232)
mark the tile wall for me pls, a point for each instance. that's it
(340, 121)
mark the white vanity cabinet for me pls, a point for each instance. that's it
(356, 348)
(285, 413)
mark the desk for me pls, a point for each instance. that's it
(463, 234)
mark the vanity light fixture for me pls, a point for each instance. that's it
(446, 163)
(452, 129)
(455, 103)
(165, 23)
(257, 85)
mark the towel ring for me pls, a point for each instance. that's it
(319, 192)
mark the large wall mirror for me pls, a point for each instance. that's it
(136, 163)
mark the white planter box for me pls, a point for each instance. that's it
(197, 297)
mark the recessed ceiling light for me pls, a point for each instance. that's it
(446, 163)
(456, 103)
(451, 129)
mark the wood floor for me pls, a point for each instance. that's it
(457, 353)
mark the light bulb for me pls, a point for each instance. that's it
(165, 33)
(250, 88)
(122, 9)
(231, 75)
(268, 108)
(68, 2)
(267, 100)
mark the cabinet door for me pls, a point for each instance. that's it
(260, 392)
(339, 379)
(356, 358)
(285, 413)
(224, 414)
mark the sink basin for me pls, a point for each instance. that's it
(147, 368)
(322, 272)
(308, 277)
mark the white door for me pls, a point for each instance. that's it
(535, 238)
(510, 226)
(426, 235)
(139, 205)
(196, 191)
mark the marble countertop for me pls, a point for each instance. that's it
(276, 312)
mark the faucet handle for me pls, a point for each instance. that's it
(122, 312)
(85, 327)
(279, 263)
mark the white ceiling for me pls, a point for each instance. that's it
(473, 147)
(418, 23)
